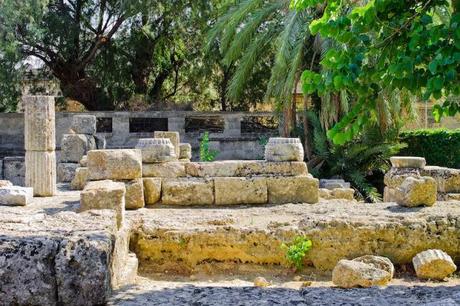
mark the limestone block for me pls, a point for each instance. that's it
(80, 179)
(333, 183)
(75, 146)
(396, 176)
(173, 136)
(240, 190)
(41, 172)
(66, 172)
(134, 198)
(294, 189)
(284, 149)
(390, 194)
(447, 179)
(451, 197)
(39, 123)
(433, 264)
(5, 183)
(365, 271)
(325, 194)
(14, 170)
(125, 164)
(408, 162)
(156, 150)
(104, 194)
(417, 191)
(101, 142)
(84, 124)
(152, 190)
(120, 254)
(84, 161)
(186, 191)
(244, 168)
(343, 193)
(185, 151)
(168, 169)
(15, 195)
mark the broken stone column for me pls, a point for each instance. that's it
(173, 136)
(284, 149)
(40, 144)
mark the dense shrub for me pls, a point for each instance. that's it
(440, 147)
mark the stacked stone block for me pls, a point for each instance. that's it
(335, 189)
(76, 144)
(409, 174)
(40, 173)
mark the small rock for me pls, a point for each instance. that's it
(408, 162)
(417, 192)
(15, 195)
(433, 264)
(297, 278)
(261, 282)
(5, 183)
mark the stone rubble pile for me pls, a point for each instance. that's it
(411, 183)
(80, 139)
(330, 189)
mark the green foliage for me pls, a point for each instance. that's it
(385, 45)
(439, 147)
(206, 154)
(296, 250)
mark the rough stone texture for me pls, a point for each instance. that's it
(66, 172)
(366, 271)
(168, 169)
(5, 183)
(185, 151)
(104, 195)
(391, 195)
(15, 195)
(152, 190)
(84, 161)
(1, 169)
(156, 150)
(84, 124)
(333, 183)
(41, 172)
(123, 164)
(134, 198)
(14, 170)
(261, 282)
(343, 193)
(244, 168)
(396, 176)
(325, 194)
(433, 264)
(447, 179)
(39, 119)
(240, 190)
(295, 189)
(284, 149)
(187, 192)
(122, 264)
(173, 136)
(101, 142)
(417, 192)
(75, 146)
(80, 179)
(408, 162)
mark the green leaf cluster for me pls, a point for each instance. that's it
(207, 154)
(296, 251)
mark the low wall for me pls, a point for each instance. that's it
(238, 135)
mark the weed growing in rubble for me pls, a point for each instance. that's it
(297, 250)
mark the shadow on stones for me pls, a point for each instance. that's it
(66, 206)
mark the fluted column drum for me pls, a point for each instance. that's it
(41, 172)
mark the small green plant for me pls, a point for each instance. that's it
(205, 153)
(297, 250)
(263, 140)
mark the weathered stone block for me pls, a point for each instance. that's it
(168, 169)
(152, 190)
(408, 162)
(187, 191)
(39, 123)
(41, 172)
(123, 164)
(390, 194)
(325, 194)
(1, 169)
(15, 195)
(84, 161)
(75, 146)
(395, 177)
(343, 193)
(447, 179)
(84, 124)
(284, 149)
(80, 179)
(66, 172)
(173, 136)
(240, 190)
(185, 151)
(244, 168)
(104, 195)
(365, 271)
(134, 198)
(101, 142)
(417, 192)
(333, 183)
(5, 183)
(14, 170)
(156, 150)
(433, 264)
(295, 189)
